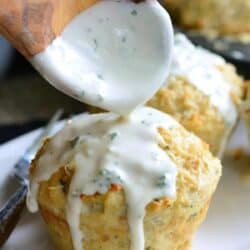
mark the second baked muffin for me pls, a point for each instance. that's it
(203, 93)
(105, 216)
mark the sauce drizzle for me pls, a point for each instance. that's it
(111, 150)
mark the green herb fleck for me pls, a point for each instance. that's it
(96, 44)
(162, 181)
(124, 39)
(134, 13)
(99, 76)
(100, 98)
(145, 123)
(113, 136)
(105, 178)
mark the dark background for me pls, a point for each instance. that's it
(26, 100)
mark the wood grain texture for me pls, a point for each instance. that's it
(31, 25)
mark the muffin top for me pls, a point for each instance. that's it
(215, 79)
(108, 149)
(133, 153)
(202, 69)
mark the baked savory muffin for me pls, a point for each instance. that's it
(223, 17)
(105, 182)
(203, 93)
(245, 109)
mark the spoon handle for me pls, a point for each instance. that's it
(31, 25)
(10, 213)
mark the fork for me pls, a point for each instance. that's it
(12, 209)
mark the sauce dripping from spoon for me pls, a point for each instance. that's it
(106, 150)
(115, 55)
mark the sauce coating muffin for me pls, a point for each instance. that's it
(224, 17)
(164, 213)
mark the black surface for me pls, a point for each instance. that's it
(235, 52)
(19, 66)
(224, 46)
(11, 212)
(8, 132)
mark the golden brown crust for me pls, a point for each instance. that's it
(223, 17)
(168, 224)
(194, 110)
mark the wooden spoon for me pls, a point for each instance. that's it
(31, 25)
(124, 49)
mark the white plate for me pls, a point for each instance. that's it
(227, 226)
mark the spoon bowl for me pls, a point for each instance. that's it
(111, 54)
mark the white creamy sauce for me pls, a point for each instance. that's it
(200, 68)
(114, 55)
(107, 149)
